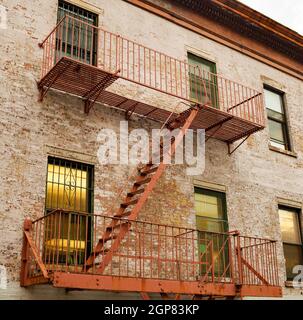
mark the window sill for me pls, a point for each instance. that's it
(291, 284)
(286, 152)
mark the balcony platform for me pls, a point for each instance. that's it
(190, 288)
(153, 259)
(90, 83)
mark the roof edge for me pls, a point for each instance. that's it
(260, 19)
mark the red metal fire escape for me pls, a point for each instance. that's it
(127, 254)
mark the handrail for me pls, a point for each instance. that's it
(142, 65)
(86, 214)
(41, 44)
(126, 38)
(60, 242)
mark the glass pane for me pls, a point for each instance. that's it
(209, 206)
(276, 131)
(67, 188)
(277, 145)
(214, 247)
(67, 241)
(65, 8)
(293, 256)
(203, 81)
(210, 217)
(275, 115)
(211, 225)
(77, 39)
(273, 101)
(290, 227)
(208, 66)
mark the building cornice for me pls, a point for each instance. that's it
(251, 23)
(206, 18)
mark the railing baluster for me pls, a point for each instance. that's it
(150, 68)
(155, 251)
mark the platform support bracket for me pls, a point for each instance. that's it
(44, 88)
(92, 95)
(218, 126)
(230, 152)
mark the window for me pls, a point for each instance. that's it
(276, 119)
(212, 224)
(69, 187)
(77, 38)
(202, 77)
(210, 210)
(292, 238)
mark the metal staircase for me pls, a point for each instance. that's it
(136, 198)
(129, 255)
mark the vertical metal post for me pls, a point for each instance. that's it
(25, 253)
(238, 253)
(212, 262)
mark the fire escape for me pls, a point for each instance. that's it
(124, 253)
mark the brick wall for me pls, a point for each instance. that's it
(254, 176)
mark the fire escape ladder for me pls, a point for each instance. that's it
(143, 186)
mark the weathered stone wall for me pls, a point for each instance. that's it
(254, 176)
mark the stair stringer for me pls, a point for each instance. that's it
(124, 228)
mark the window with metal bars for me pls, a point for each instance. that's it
(69, 187)
(78, 36)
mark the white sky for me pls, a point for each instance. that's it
(287, 12)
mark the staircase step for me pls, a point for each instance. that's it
(130, 203)
(123, 214)
(101, 251)
(109, 238)
(117, 226)
(141, 182)
(133, 193)
(149, 171)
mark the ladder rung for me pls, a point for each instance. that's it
(130, 203)
(144, 181)
(133, 193)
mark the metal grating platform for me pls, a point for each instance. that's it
(90, 83)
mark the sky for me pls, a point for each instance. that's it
(287, 12)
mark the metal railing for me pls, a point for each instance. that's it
(63, 240)
(139, 64)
